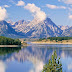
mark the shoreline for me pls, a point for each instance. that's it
(50, 43)
(10, 45)
(13, 45)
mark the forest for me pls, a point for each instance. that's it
(56, 38)
(9, 41)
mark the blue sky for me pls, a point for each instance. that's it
(60, 11)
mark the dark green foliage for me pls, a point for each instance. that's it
(9, 41)
(53, 65)
(6, 50)
(56, 38)
(24, 39)
(59, 38)
(41, 39)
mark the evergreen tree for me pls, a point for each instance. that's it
(9, 41)
(53, 65)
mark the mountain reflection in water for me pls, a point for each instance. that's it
(32, 58)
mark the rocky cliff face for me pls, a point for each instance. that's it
(67, 32)
(63, 27)
(35, 29)
(7, 30)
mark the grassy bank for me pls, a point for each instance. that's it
(54, 40)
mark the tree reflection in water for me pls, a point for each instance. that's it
(32, 58)
(8, 50)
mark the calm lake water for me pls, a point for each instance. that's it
(33, 57)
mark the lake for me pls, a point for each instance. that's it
(33, 57)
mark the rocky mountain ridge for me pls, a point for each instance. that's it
(36, 29)
(33, 29)
(63, 27)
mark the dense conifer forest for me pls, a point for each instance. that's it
(9, 41)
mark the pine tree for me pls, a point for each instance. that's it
(53, 65)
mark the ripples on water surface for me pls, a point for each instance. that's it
(33, 57)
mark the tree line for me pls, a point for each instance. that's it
(56, 38)
(9, 41)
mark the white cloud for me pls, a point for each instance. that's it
(12, 2)
(70, 16)
(51, 6)
(70, 9)
(36, 11)
(66, 1)
(6, 6)
(55, 7)
(20, 3)
(3, 13)
(62, 7)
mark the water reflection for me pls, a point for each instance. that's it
(2, 66)
(32, 58)
(7, 50)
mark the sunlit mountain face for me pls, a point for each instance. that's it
(32, 58)
(33, 29)
(37, 29)
(63, 27)
(67, 32)
(7, 31)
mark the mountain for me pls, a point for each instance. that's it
(36, 29)
(67, 32)
(32, 29)
(7, 30)
(63, 27)
(10, 22)
(20, 25)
